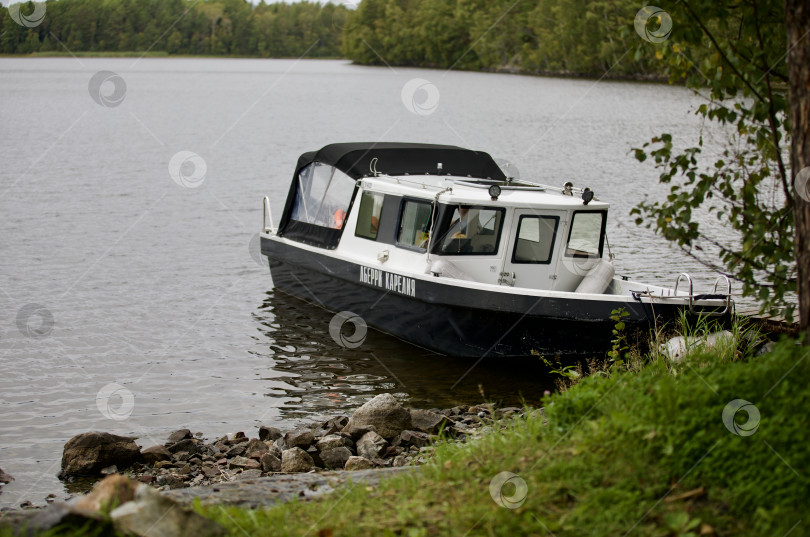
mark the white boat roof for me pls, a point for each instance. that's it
(465, 190)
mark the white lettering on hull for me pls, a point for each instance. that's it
(390, 282)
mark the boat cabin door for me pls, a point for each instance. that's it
(530, 260)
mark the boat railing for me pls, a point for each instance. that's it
(691, 296)
(267, 215)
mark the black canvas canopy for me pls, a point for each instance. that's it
(397, 158)
(393, 158)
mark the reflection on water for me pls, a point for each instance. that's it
(322, 376)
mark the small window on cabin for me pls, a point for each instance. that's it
(368, 215)
(322, 196)
(585, 238)
(535, 239)
(414, 224)
(469, 230)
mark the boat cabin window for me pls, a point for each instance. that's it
(323, 195)
(469, 230)
(368, 215)
(587, 234)
(535, 239)
(414, 224)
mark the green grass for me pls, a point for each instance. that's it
(613, 454)
(618, 451)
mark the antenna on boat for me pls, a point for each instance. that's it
(373, 167)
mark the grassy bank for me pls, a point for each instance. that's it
(644, 452)
(626, 453)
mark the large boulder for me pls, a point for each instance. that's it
(385, 414)
(296, 460)
(88, 453)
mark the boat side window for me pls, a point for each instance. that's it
(322, 196)
(535, 239)
(470, 230)
(587, 234)
(414, 224)
(368, 215)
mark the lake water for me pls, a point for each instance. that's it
(132, 304)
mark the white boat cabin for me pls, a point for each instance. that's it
(478, 228)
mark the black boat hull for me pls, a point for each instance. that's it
(456, 321)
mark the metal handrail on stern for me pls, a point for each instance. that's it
(266, 215)
(715, 295)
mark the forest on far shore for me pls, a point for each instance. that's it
(573, 37)
(210, 27)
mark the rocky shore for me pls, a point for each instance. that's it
(378, 439)
(379, 434)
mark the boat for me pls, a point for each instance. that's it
(437, 246)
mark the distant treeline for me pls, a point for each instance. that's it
(208, 27)
(577, 37)
(581, 37)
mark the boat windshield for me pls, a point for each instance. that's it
(322, 196)
(587, 234)
(469, 230)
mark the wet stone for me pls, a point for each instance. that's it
(178, 435)
(269, 433)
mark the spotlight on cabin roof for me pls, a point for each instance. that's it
(587, 196)
(494, 192)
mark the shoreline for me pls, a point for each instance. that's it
(335, 449)
(504, 70)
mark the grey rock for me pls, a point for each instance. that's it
(255, 445)
(4, 477)
(427, 421)
(371, 445)
(400, 460)
(154, 454)
(250, 474)
(355, 432)
(414, 438)
(189, 444)
(280, 444)
(57, 514)
(238, 438)
(173, 481)
(110, 470)
(331, 441)
(385, 413)
(239, 462)
(88, 453)
(300, 438)
(238, 449)
(178, 435)
(270, 463)
(336, 458)
(269, 433)
(358, 463)
(296, 460)
(158, 516)
(182, 456)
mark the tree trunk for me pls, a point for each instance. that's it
(798, 42)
